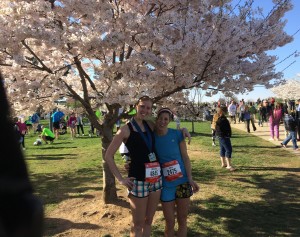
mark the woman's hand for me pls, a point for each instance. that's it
(194, 185)
(127, 182)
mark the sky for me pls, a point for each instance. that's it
(293, 70)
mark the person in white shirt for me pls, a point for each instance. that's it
(232, 111)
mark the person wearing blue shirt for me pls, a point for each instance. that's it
(56, 117)
(178, 184)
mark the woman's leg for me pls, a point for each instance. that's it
(153, 200)
(182, 214)
(138, 208)
(276, 130)
(169, 214)
(23, 140)
(272, 130)
(248, 125)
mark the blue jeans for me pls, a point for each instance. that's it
(292, 136)
(225, 147)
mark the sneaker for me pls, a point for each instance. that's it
(282, 145)
(213, 144)
(230, 168)
(82, 135)
(271, 139)
(24, 148)
(90, 135)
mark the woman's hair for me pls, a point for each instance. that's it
(165, 110)
(144, 98)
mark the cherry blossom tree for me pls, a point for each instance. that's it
(110, 53)
(288, 90)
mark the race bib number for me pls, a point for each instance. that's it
(152, 170)
(171, 170)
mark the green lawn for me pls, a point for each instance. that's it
(261, 198)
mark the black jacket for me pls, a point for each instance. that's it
(223, 128)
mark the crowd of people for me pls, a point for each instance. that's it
(267, 112)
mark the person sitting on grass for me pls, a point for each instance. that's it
(47, 135)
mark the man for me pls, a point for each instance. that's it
(56, 117)
(47, 135)
(232, 111)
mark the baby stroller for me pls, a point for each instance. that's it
(62, 128)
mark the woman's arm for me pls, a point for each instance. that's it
(187, 165)
(121, 135)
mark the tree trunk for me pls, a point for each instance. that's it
(109, 183)
(193, 127)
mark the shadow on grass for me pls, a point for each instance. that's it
(51, 157)
(50, 147)
(58, 225)
(284, 169)
(275, 214)
(55, 188)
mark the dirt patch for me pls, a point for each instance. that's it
(88, 216)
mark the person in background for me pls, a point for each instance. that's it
(23, 130)
(247, 118)
(213, 126)
(275, 116)
(47, 135)
(252, 111)
(79, 124)
(72, 124)
(242, 109)
(297, 116)
(35, 120)
(28, 124)
(232, 111)
(178, 184)
(264, 111)
(177, 121)
(56, 117)
(291, 127)
(223, 132)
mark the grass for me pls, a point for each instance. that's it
(262, 198)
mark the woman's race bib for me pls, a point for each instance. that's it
(171, 170)
(152, 170)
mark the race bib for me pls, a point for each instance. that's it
(152, 170)
(171, 170)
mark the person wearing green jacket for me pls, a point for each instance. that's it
(47, 135)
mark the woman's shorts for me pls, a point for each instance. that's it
(142, 189)
(169, 194)
(56, 125)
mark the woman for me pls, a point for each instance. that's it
(22, 130)
(275, 116)
(72, 124)
(144, 180)
(178, 184)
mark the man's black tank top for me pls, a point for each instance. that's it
(138, 152)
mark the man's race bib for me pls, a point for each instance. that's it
(152, 170)
(171, 170)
